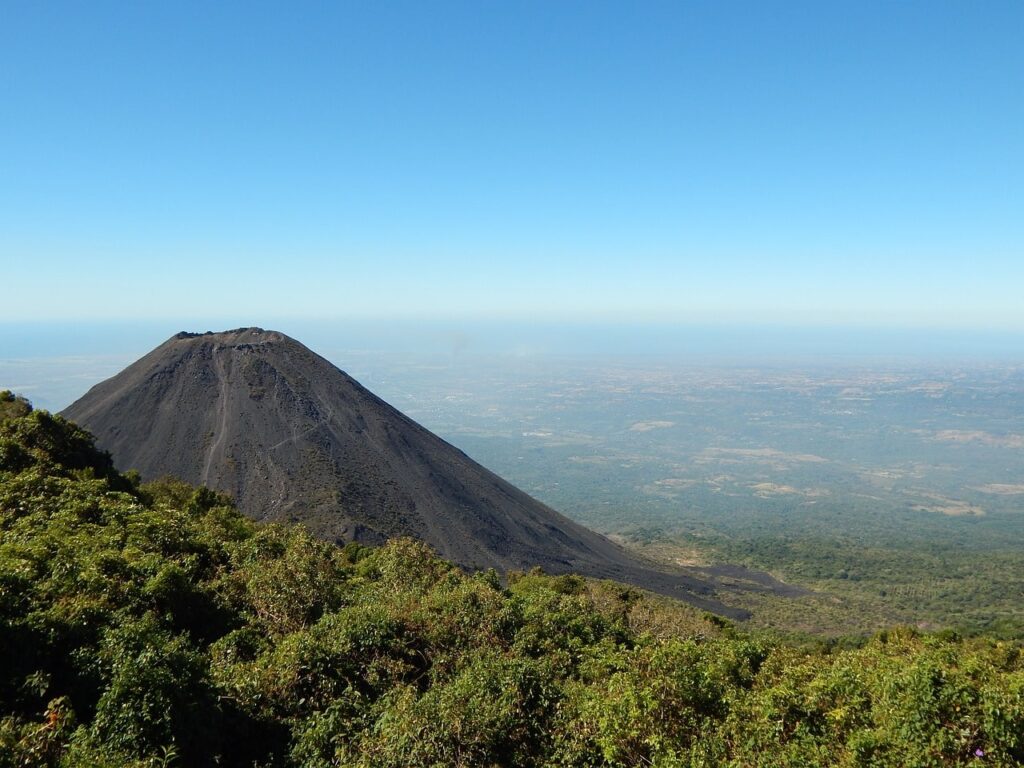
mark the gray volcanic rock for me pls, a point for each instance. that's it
(291, 437)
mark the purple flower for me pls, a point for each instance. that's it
(979, 753)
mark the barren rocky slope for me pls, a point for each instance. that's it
(291, 437)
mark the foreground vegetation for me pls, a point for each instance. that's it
(147, 625)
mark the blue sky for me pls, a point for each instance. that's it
(815, 164)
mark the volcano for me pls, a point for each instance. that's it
(292, 438)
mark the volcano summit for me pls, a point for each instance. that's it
(257, 415)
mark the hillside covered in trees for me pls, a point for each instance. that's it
(154, 625)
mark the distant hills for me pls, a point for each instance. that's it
(292, 438)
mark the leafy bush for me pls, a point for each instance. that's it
(148, 625)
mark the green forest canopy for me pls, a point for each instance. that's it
(147, 625)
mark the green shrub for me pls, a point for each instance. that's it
(152, 625)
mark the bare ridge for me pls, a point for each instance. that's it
(292, 438)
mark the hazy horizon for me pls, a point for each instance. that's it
(55, 363)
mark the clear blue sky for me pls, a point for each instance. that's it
(807, 163)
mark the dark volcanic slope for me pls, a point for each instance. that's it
(292, 438)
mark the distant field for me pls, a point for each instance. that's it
(884, 451)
